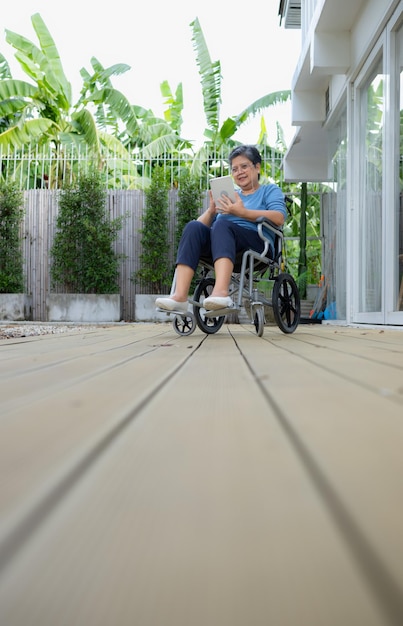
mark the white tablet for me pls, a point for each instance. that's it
(222, 186)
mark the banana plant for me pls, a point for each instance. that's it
(111, 106)
(18, 103)
(47, 100)
(43, 66)
(37, 111)
(163, 136)
(4, 68)
(41, 112)
(221, 135)
(211, 79)
(174, 102)
(135, 126)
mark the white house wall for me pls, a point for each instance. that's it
(338, 39)
(330, 52)
(347, 44)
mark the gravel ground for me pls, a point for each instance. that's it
(8, 331)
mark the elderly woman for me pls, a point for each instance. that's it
(223, 231)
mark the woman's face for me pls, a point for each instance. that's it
(245, 173)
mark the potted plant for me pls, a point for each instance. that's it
(14, 303)
(85, 267)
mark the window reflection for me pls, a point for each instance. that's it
(372, 121)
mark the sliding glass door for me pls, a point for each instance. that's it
(377, 252)
(369, 216)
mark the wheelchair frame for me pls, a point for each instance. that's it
(248, 270)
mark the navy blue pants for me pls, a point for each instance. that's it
(223, 239)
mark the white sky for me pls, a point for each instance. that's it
(257, 55)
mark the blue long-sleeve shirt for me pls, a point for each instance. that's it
(265, 198)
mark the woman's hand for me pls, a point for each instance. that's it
(208, 216)
(226, 206)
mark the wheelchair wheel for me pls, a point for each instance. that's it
(258, 320)
(209, 325)
(286, 303)
(184, 325)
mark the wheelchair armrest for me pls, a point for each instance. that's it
(278, 232)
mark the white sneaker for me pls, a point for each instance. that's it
(168, 304)
(215, 302)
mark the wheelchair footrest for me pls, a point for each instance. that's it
(181, 313)
(221, 312)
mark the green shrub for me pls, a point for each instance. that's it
(11, 258)
(154, 270)
(188, 205)
(84, 260)
(187, 208)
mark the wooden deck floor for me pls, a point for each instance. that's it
(149, 479)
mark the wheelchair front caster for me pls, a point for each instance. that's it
(286, 303)
(184, 324)
(258, 320)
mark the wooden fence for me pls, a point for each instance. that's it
(39, 225)
(41, 209)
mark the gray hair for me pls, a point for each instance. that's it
(250, 152)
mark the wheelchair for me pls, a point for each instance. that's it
(251, 268)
